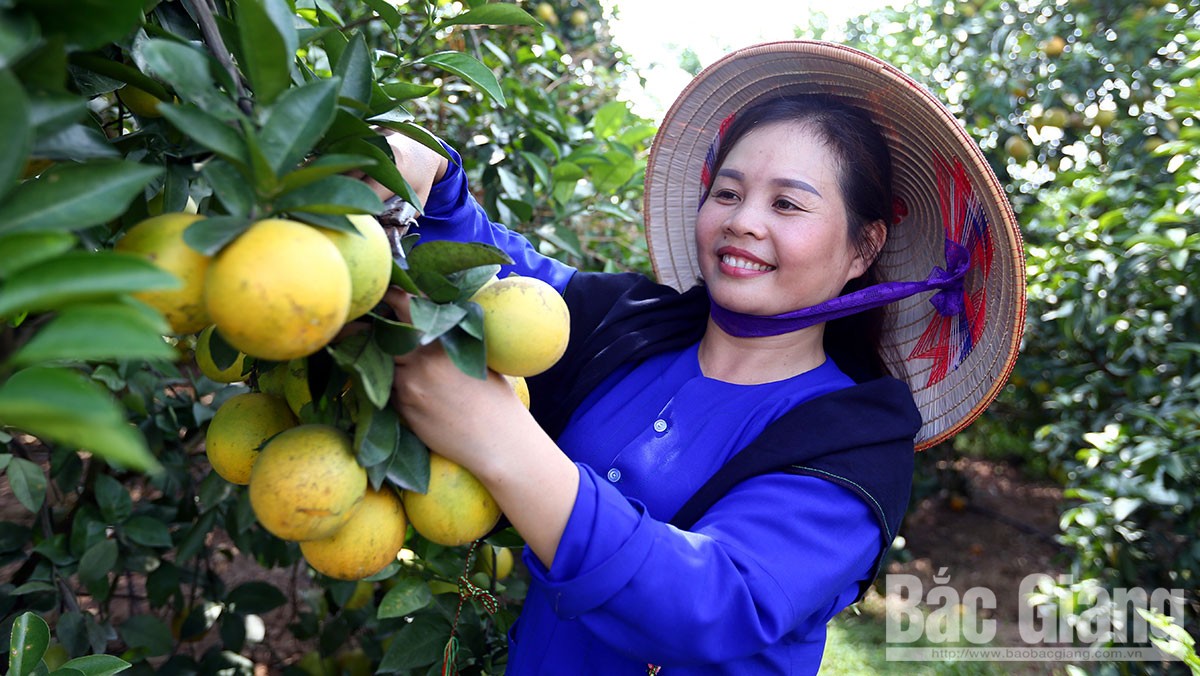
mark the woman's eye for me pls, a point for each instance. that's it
(785, 205)
(724, 194)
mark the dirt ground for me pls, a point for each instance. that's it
(991, 528)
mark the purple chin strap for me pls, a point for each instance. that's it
(948, 301)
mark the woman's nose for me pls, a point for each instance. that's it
(745, 221)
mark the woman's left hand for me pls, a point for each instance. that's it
(483, 426)
(456, 415)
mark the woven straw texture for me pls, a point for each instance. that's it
(951, 384)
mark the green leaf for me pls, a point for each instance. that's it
(77, 143)
(95, 565)
(296, 122)
(269, 42)
(328, 221)
(444, 257)
(401, 279)
(208, 131)
(112, 498)
(354, 69)
(50, 113)
(409, 468)
(148, 633)
(78, 276)
(190, 72)
(396, 338)
(20, 250)
(147, 531)
(466, 351)
(96, 665)
(376, 436)
(19, 36)
(210, 235)
(408, 596)
(470, 70)
(325, 166)
(471, 280)
(224, 355)
(16, 120)
(33, 588)
(256, 598)
(370, 365)
(193, 540)
(99, 331)
(27, 643)
(332, 195)
(229, 185)
(70, 197)
(111, 70)
(386, 11)
(539, 167)
(406, 91)
(497, 14)
(88, 24)
(62, 406)
(610, 119)
(28, 483)
(417, 644)
(434, 319)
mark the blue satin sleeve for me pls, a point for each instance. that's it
(452, 213)
(778, 553)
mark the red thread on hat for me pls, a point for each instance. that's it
(710, 158)
(947, 340)
(899, 210)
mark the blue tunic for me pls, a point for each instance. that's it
(750, 588)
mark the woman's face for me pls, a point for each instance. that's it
(772, 236)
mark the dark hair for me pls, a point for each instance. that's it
(865, 179)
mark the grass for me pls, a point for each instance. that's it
(857, 644)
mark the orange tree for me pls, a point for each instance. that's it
(118, 544)
(1088, 112)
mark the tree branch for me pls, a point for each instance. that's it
(206, 17)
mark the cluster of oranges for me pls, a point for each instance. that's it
(278, 293)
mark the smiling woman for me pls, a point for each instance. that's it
(705, 433)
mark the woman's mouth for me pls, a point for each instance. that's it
(740, 263)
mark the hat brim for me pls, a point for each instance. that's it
(955, 366)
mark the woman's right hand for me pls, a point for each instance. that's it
(420, 165)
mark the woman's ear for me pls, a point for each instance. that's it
(875, 236)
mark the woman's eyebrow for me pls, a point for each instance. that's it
(784, 182)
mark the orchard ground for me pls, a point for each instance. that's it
(994, 528)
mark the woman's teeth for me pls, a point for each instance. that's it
(735, 262)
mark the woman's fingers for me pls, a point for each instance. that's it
(398, 300)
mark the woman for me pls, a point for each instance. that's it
(710, 474)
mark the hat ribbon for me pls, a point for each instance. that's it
(948, 301)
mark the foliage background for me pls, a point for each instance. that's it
(145, 554)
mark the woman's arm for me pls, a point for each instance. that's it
(450, 211)
(777, 552)
(420, 166)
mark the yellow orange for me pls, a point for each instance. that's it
(306, 483)
(456, 508)
(204, 359)
(368, 256)
(160, 239)
(366, 543)
(281, 290)
(239, 429)
(526, 325)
